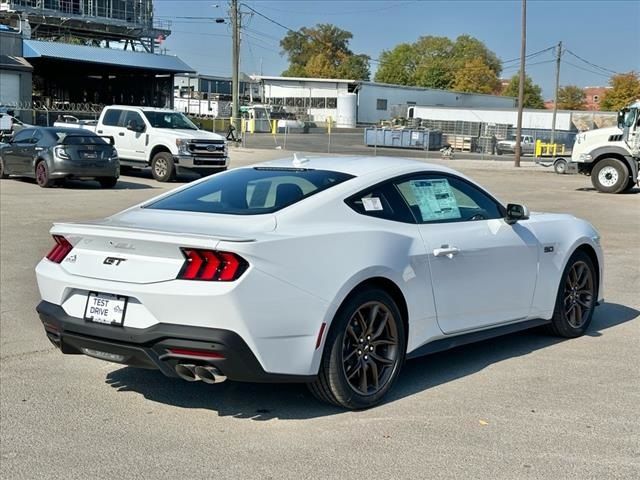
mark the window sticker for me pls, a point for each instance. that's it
(435, 199)
(372, 204)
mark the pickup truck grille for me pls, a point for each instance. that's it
(207, 148)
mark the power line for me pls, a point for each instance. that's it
(589, 63)
(268, 18)
(587, 70)
(530, 55)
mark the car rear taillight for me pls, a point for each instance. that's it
(211, 265)
(60, 250)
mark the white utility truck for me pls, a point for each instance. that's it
(611, 156)
(163, 139)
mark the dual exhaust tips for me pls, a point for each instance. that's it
(193, 373)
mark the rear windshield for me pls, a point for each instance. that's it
(63, 136)
(251, 191)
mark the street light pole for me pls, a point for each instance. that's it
(235, 84)
(523, 50)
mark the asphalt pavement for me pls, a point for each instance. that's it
(524, 406)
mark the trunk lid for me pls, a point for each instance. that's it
(144, 246)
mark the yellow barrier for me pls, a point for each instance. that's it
(548, 149)
(329, 124)
(274, 127)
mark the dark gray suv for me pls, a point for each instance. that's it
(51, 155)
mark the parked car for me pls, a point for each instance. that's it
(51, 154)
(163, 139)
(527, 145)
(329, 271)
(9, 126)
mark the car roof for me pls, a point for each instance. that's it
(356, 166)
(68, 131)
(144, 109)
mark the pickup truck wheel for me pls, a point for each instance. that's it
(560, 166)
(610, 175)
(162, 167)
(629, 186)
(498, 151)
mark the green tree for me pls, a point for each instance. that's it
(532, 92)
(625, 88)
(437, 62)
(323, 51)
(571, 97)
(476, 76)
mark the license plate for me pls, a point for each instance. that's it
(90, 155)
(105, 308)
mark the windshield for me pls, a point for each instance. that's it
(251, 191)
(173, 120)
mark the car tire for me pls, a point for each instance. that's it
(610, 175)
(107, 182)
(43, 179)
(560, 166)
(577, 297)
(162, 167)
(498, 151)
(363, 353)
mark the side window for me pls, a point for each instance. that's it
(443, 199)
(23, 136)
(131, 118)
(111, 117)
(37, 136)
(381, 104)
(381, 201)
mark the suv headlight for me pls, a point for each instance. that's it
(183, 146)
(585, 157)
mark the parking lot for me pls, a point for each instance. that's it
(522, 406)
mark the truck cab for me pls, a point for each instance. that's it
(165, 140)
(611, 156)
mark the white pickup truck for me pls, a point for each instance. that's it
(164, 139)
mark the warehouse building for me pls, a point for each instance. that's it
(351, 102)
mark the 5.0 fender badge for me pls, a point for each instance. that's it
(71, 259)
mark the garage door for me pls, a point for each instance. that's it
(9, 88)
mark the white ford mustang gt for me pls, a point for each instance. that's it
(329, 271)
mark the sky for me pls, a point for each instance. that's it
(605, 33)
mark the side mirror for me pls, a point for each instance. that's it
(516, 212)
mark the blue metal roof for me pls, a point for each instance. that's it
(105, 56)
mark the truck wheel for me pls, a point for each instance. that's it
(3, 173)
(610, 175)
(162, 167)
(560, 166)
(498, 151)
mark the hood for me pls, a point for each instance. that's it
(191, 134)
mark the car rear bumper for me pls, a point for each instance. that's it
(149, 347)
(68, 169)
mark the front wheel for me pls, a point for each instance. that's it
(577, 295)
(363, 353)
(162, 167)
(610, 175)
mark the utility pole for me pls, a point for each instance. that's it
(555, 99)
(523, 50)
(235, 84)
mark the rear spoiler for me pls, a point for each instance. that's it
(124, 233)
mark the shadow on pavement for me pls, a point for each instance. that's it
(293, 401)
(633, 191)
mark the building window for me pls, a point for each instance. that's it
(318, 102)
(596, 98)
(381, 104)
(290, 102)
(332, 102)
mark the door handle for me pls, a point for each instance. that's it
(99, 131)
(446, 250)
(121, 134)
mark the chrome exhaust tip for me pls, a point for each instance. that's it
(209, 374)
(187, 372)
